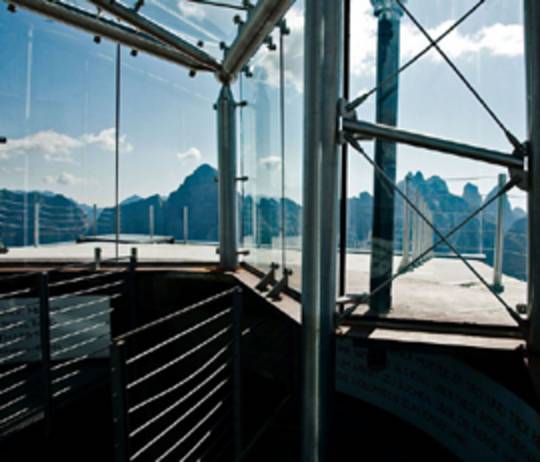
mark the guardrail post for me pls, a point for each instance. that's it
(45, 344)
(237, 370)
(36, 224)
(185, 223)
(405, 229)
(97, 258)
(119, 400)
(151, 222)
(499, 239)
(94, 224)
(132, 289)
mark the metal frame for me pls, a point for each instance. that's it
(368, 130)
(260, 22)
(197, 58)
(111, 30)
(532, 51)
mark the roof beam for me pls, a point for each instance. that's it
(261, 20)
(142, 23)
(111, 30)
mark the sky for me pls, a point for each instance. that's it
(58, 101)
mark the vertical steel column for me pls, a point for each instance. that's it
(532, 52)
(322, 52)
(36, 223)
(499, 239)
(226, 126)
(382, 243)
(45, 343)
(95, 220)
(151, 222)
(186, 224)
(237, 370)
(119, 401)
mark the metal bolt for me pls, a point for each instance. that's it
(97, 39)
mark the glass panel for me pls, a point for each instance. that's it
(57, 99)
(293, 50)
(260, 139)
(488, 49)
(168, 158)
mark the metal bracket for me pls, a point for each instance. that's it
(238, 252)
(521, 176)
(283, 283)
(343, 113)
(268, 278)
(242, 178)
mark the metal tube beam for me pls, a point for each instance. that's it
(111, 30)
(261, 20)
(319, 248)
(532, 52)
(385, 132)
(200, 59)
(36, 224)
(226, 126)
(499, 239)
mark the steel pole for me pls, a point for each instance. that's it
(382, 243)
(499, 239)
(226, 126)
(322, 52)
(532, 53)
(311, 333)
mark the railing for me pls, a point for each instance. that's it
(176, 384)
(55, 333)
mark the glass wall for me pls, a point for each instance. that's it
(57, 100)
(487, 48)
(271, 150)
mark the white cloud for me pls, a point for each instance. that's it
(270, 162)
(498, 40)
(64, 179)
(105, 140)
(191, 154)
(59, 147)
(191, 10)
(53, 145)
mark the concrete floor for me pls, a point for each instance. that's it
(441, 290)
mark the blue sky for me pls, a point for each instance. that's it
(57, 99)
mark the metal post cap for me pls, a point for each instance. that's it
(387, 9)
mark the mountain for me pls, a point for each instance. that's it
(60, 218)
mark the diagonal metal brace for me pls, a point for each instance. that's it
(283, 283)
(268, 278)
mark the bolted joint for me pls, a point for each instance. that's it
(138, 5)
(343, 113)
(11, 8)
(283, 28)
(242, 178)
(269, 41)
(192, 73)
(3, 140)
(242, 103)
(200, 44)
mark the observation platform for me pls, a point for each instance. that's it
(442, 290)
